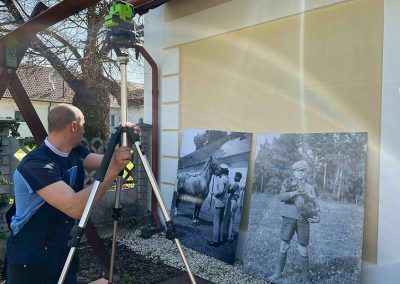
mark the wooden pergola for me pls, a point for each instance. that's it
(13, 47)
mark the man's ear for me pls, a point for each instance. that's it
(73, 126)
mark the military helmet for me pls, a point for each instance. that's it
(300, 165)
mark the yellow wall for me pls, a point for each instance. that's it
(317, 72)
(176, 9)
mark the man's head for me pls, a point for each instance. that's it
(300, 169)
(223, 169)
(69, 120)
(238, 176)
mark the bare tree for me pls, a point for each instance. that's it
(76, 49)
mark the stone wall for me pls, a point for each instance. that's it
(8, 146)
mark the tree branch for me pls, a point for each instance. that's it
(13, 10)
(56, 36)
(22, 9)
(57, 64)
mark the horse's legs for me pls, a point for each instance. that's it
(197, 208)
(195, 221)
(177, 201)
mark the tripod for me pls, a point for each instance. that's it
(120, 136)
(171, 233)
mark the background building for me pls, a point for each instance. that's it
(46, 88)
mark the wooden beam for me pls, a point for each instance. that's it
(24, 104)
(51, 16)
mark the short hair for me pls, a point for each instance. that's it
(62, 115)
(238, 174)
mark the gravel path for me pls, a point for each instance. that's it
(159, 248)
(154, 259)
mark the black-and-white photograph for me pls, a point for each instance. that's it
(211, 181)
(307, 208)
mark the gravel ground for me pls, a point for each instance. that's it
(160, 249)
(155, 259)
(130, 267)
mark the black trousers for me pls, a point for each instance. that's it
(35, 274)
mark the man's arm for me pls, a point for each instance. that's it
(232, 188)
(92, 162)
(220, 187)
(317, 217)
(64, 198)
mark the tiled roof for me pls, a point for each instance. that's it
(46, 85)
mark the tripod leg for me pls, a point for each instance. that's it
(116, 216)
(123, 61)
(164, 210)
(77, 231)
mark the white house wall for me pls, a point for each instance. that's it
(388, 252)
(8, 109)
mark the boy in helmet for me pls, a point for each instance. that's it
(220, 195)
(299, 209)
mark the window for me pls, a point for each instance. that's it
(18, 116)
(112, 120)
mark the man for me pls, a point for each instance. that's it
(220, 195)
(232, 205)
(49, 195)
(296, 195)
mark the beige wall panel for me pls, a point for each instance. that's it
(256, 80)
(176, 9)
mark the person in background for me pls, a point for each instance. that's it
(220, 195)
(232, 205)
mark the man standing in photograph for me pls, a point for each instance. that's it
(220, 195)
(299, 209)
(232, 206)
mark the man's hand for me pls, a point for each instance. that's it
(133, 133)
(121, 157)
(315, 219)
(135, 128)
(296, 193)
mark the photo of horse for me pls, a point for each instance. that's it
(211, 180)
(307, 208)
(197, 186)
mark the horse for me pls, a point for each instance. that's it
(196, 187)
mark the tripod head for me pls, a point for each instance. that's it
(120, 25)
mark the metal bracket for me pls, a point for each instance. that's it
(11, 53)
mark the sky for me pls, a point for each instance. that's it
(262, 137)
(187, 141)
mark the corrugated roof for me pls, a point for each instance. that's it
(46, 85)
(221, 149)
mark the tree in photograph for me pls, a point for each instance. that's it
(201, 140)
(76, 49)
(337, 163)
